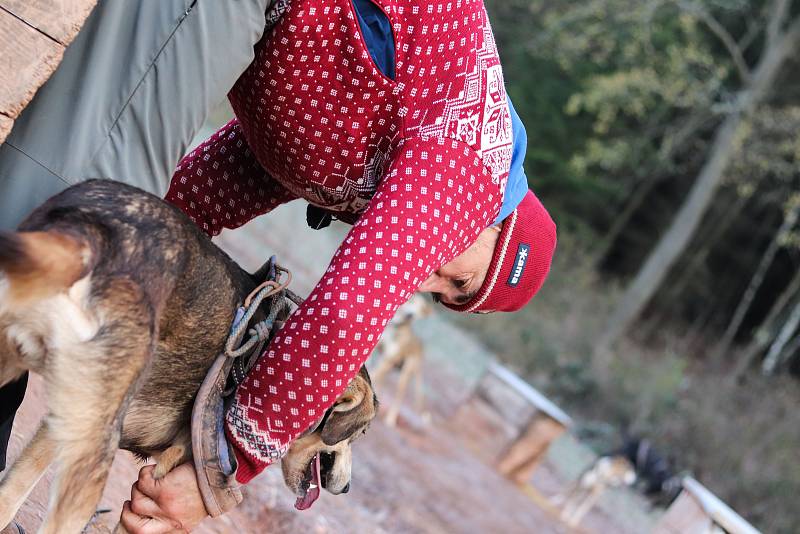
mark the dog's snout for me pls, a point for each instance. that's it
(327, 461)
(346, 488)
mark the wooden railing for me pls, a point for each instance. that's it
(33, 37)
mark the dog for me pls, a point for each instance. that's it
(582, 495)
(321, 457)
(401, 347)
(654, 471)
(121, 304)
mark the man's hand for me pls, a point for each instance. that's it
(172, 504)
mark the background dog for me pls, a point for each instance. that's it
(401, 348)
(583, 494)
(122, 305)
(654, 471)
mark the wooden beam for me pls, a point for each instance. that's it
(59, 19)
(684, 516)
(27, 58)
(519, 461)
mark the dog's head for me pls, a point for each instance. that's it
(321, 457)
(415, 308)
(616, 471)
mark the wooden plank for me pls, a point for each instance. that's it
(720, 512)
(684, 516)
(530, 393)
(5, 127)
(59, 19)
(507, 402)
(519, 461)
(27, 58)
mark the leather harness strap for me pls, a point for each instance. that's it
(261, 315)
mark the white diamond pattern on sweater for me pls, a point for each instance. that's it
(417, 163)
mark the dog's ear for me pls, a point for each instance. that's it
(354, 409)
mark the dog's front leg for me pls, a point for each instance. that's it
(21, 478)
(406, 373)
(390, 358)
(585, 505)
(179, 452)
(419, 398)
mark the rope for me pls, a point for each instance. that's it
(246, 352)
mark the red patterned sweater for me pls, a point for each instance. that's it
(421, 161)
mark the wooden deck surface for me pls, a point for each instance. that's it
(33, 37)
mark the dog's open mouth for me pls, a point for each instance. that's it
(310, 486)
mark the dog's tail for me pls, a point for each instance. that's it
(36, 265)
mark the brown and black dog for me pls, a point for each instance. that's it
(584, 493)
(122, 305)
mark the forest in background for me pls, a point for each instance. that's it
(662, 136)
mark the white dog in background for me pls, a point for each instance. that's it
(401, 348)
(583, 494)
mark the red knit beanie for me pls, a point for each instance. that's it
(520, 262)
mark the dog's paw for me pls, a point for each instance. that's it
(170, 459)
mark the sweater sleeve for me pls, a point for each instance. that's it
(220, 184)
(434, 200)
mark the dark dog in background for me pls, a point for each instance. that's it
(122, 305)
(653, 470)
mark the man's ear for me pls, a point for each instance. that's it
(352, 411)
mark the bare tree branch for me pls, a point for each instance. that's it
(771, 58)
(777, 19)
(774, 356)
(789, 220)
(763, 333)
(675, 139)
(754, 27)
(730, 43)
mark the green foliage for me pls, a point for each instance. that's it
(654, 76)
(540, 89)
(769, 156)
(646, 390)
(618, 95)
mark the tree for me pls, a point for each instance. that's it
(781, 41)
(765, 333)
(788, 224)
(776, 351)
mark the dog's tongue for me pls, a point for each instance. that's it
(312, 493)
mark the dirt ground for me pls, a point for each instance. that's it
(409, 479)
(404, 480)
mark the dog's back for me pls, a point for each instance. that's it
(121, 304)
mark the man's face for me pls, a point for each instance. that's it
(457, 282)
